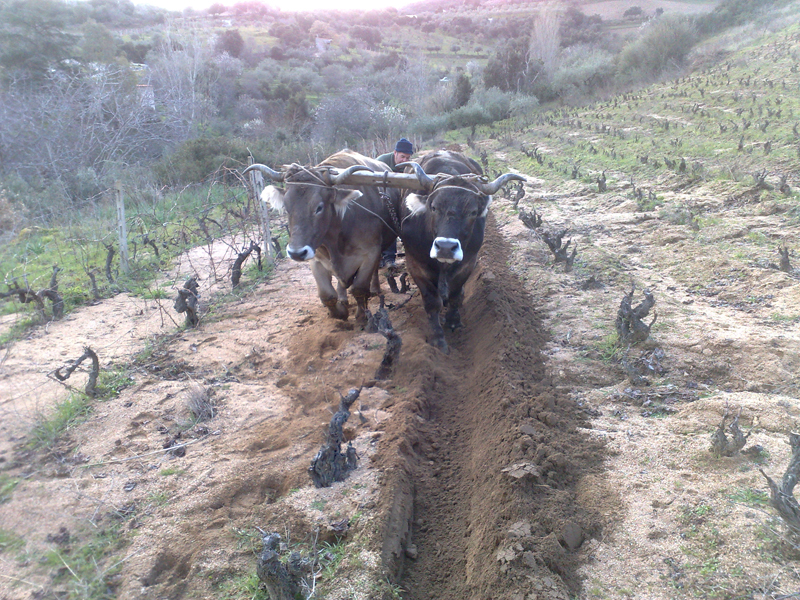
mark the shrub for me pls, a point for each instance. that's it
(195, 160)
(664, 45)
(583, 71)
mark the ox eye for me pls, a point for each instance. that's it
(433, 208)
(320, 208)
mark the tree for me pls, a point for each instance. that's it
(545, 37)
(230, 41)
(370, 35)
(216, 9)
(32, 39)
(463, 90)
(98, 44)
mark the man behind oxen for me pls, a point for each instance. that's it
(403, 150)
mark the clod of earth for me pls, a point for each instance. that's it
(331, 464)
(630, 327)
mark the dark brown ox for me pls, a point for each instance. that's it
(442, 232)
(341, 230)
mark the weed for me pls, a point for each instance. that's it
(709, 566)
(199, 404)
(64, 415)
(7, 486)
(87, 571)
(19, 327)
(779, 318)
(247, 538)
(172, 471)
(319, 504)
(111, 382)
(10, 541)
(609, 348)
(331, 556)
(157, 499)
(750, 497)
(243, 587)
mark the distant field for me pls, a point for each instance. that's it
(614, 9)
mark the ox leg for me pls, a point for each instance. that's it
(452, 319)
(336, 308)
(363, 282)
(455, 298)
(432, 300)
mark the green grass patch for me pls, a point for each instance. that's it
(64, 415)
(609, 348)
(10, 542)
(171, 471)
(749, 496)
(111, 382)
(7, 486)
(87, 569)
(242, 587)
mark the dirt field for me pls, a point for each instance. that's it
(529, 464)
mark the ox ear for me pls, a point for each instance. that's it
(486, 206)
(343, 199)
(416, 203)
(274, 197)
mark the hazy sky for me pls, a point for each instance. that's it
(284, 5)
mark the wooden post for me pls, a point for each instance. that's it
(122, 230)
(257, 183)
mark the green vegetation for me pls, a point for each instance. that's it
(111, 382)
(7, 486)
(49, 428)
(242, 587)
(10, 542)
(750, 497)
(87, 569)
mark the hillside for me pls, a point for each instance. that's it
(543, 458)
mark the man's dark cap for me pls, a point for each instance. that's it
(404, 146)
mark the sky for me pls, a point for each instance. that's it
(283, 5)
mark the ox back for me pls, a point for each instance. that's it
(442, 233)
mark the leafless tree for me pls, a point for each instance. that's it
(545, 38)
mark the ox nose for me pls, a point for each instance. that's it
(300, 254)
(446, 249)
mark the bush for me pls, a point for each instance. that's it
(582, 72)
(731, 13)
(664, 45)
(194, 160)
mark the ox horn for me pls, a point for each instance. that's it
(492, 187)
(426, 181)
(271, 173)
(341, 178)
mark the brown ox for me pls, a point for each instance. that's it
(341, 230)
(442, 232)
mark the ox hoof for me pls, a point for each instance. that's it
(441, 345)
(453, 323)
(337, 310)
